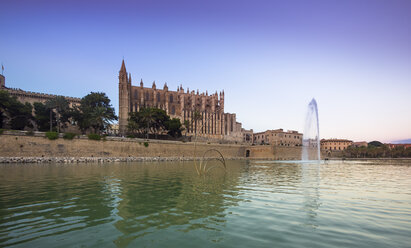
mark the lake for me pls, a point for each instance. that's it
(166, 204)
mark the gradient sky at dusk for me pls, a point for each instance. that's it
(270, 57)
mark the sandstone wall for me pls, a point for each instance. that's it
(20, 145)
(30, 146)
(279, 152)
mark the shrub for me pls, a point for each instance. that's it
(94, 136)
(30, 133)
(52, 135)
(146, 144)
(1, 131)
(69, 136)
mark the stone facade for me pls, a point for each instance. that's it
(335, 144)
(279, 137)
(213, 122)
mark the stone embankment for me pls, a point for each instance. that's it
(74, 160)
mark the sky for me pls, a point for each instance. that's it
(270, 57)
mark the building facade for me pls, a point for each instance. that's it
(279, 137)
(335, 144)
(204, 113)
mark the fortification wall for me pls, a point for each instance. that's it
(21, 145)
(30, 146)
(279, 152)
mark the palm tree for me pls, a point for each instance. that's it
(60, 104)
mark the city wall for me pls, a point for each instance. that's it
(32, 146)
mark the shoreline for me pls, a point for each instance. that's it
(76, 160)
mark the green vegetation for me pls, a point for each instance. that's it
(146, 144)
(95, 112)
(69, 136)
(154, 121)
(62, 112)
(376, 149)
(94, 136)
(52, 135)
(13, 113)
(375, 144)
(1, 131)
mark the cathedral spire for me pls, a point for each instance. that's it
(123, 67)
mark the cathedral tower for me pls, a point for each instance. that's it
(124, 89)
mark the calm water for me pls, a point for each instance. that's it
(253, 204)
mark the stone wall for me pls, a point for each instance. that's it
(21, 145)
(31, 146)
(279, 152)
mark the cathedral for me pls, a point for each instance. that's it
(211, 122)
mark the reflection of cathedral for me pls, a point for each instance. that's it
(212, 123)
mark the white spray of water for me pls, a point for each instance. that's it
(311, 135)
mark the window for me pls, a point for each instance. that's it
(135, 94)
(171, 98)
(158, 97)
(147, 96)
(173, 110)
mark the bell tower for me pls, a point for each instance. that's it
(124, 89)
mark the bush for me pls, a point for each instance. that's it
(52, 135)
(69, 136)
(1, 131)
(146, 144)
(94, 136)
(30, 133)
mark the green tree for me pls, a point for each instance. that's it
(95, 111)
(13, 113)
(196, 117)
(174, 127)
(42, 117)
(62, 109)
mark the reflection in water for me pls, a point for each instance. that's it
(252, 204)
(310, 185)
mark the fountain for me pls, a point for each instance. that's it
(311, 135)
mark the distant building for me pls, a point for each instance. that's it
(247, 135)
(279, 138)
(391, 146)
(335, 144)
(212, 121)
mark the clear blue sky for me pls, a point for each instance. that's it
(270, 57)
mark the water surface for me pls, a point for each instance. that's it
(252, 204)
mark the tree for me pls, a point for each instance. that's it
(42, 117)
(174, 127)
(375, 143)
(62, 109)
(196, 117)
(153, 120)
(95, 111)
(13, 113)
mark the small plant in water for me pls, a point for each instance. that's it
(202, 168)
